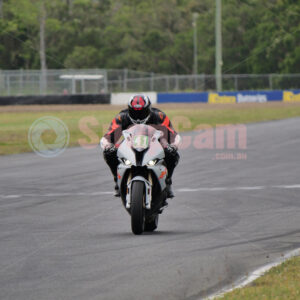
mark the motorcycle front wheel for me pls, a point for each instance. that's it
(137, 207)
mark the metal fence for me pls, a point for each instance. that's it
(94, 81)
(203, 82)
(19, 83)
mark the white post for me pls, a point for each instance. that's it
(219, 62)
(125, 80)
(195, 16)
(43, 87)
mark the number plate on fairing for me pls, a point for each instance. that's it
(140, 142)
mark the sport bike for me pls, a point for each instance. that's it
(141, 176)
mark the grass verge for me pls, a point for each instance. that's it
(281, 282)
(87, 124)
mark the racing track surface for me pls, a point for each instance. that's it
(63, 235)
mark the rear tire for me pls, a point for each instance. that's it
(152, 225)
(137, 207)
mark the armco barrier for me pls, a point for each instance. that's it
(230, 97)
(56, 99)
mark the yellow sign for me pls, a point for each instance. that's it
(289, 96)
(215, 98)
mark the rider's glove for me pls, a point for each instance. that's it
(171, 149)
(110, 151)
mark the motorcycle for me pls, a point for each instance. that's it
(141, 176)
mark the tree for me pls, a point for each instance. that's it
(259, 36)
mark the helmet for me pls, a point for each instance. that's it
(139, 107)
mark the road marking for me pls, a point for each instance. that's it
(50, 195)
(10, 196)
(182, 190)
(295, 186)
(250, 188)
(202, 189)
(240, 188)
(242, 282)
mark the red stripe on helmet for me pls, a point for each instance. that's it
(138, 103)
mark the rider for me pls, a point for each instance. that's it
(139, 111)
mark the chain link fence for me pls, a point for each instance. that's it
(94, 81)
(56, 82)
(203, 82)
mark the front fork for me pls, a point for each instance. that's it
(148, 190)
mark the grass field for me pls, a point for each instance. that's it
(282, 282)
(86, 123)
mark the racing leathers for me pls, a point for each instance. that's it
(170, 141)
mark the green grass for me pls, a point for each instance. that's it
(235, 115)
(14, 125)
(282, 282)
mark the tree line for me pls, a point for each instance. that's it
(259, 36)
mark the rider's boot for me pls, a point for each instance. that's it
(170, 193)
(117, 190)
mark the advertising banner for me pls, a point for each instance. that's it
(231, 97)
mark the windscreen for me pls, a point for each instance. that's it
(141, 135)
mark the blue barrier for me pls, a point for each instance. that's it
(230, 97)
(182, 97)
(259, 96)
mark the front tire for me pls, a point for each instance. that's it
(137, 207)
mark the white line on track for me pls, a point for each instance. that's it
(240, 188)
(295, 186)
(182, 190)
(10, 196)
(55, 195)
(249, 188)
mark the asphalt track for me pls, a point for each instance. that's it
(63, 235)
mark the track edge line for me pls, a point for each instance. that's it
(245, 280)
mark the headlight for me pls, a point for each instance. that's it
(152, 163)
(126, 162)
